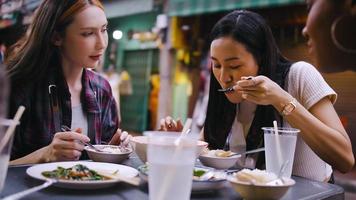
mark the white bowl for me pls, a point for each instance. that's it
(111, 157)
(218, 162)
(259, 191)
(139, 144)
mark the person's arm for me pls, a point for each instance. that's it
(320, 126)
(322, 130)
(64, 147)
(32, 158)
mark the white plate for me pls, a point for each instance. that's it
(197, 186)
(36, 172)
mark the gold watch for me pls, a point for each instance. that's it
(289, 107)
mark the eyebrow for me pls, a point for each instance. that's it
(85, 28)
(226, 59)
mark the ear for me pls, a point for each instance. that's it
(57, 39)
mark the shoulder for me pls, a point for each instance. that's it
(301, 73)
(98, 81)
(302, 67)
(307, 85)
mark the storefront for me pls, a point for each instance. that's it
(133, 49)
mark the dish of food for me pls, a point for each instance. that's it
(218, 153)
(108, 153)
(78, 172)
(218, 159)
(114, 149)
(81, 174)
(259, 184)
(198, 185)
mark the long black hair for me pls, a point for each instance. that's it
(251, 30)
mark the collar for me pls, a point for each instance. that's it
(90, 94)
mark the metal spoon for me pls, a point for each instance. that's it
(226, 90)
(24, 193)
(279, 180)
(231, 89)
(247, 152)
(66, 128)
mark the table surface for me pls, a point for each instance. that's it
(17, 180)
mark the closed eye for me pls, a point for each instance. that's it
(86, 34)
(235, 66)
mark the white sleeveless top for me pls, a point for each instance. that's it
(307, 85)
(79, 119)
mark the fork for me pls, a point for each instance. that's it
(24, 193)
(66, 128)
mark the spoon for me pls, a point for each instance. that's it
(230, 89)
(66, 128)
(247, 152)
(226, 90)
(135, 181)
(279, 180)
(186, 130)
(24, 193)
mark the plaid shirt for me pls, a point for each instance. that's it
(38, 122)
(3, 92)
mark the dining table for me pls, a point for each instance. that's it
(17, 180)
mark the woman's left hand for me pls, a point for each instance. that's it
(120, 136)
(261, 90)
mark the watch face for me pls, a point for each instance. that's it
(289, 108)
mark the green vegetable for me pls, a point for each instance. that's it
(77, 172)
(198, 172)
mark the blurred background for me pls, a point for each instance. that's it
(157, 57)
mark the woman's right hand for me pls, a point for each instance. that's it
(169, 124)
(65, 146)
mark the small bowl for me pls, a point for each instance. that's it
(139, 144)
(248, 190)
(218, 162)
(116, 156)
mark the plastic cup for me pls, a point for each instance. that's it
(279, 150)
(5, 151)
(171, 161)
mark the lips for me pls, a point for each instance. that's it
(95, 58)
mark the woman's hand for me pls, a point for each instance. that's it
(120, 136)
(168, 124)
(262, 90)
(65, 146)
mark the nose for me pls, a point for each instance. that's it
(101, 41)
(305, 32)
(225, 76)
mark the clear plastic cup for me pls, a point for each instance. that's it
(171, 161)
(5, 150)
(279, 150)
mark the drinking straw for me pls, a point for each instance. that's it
(278, 143)
(187, 125)
(12, 127)
(179, 146)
